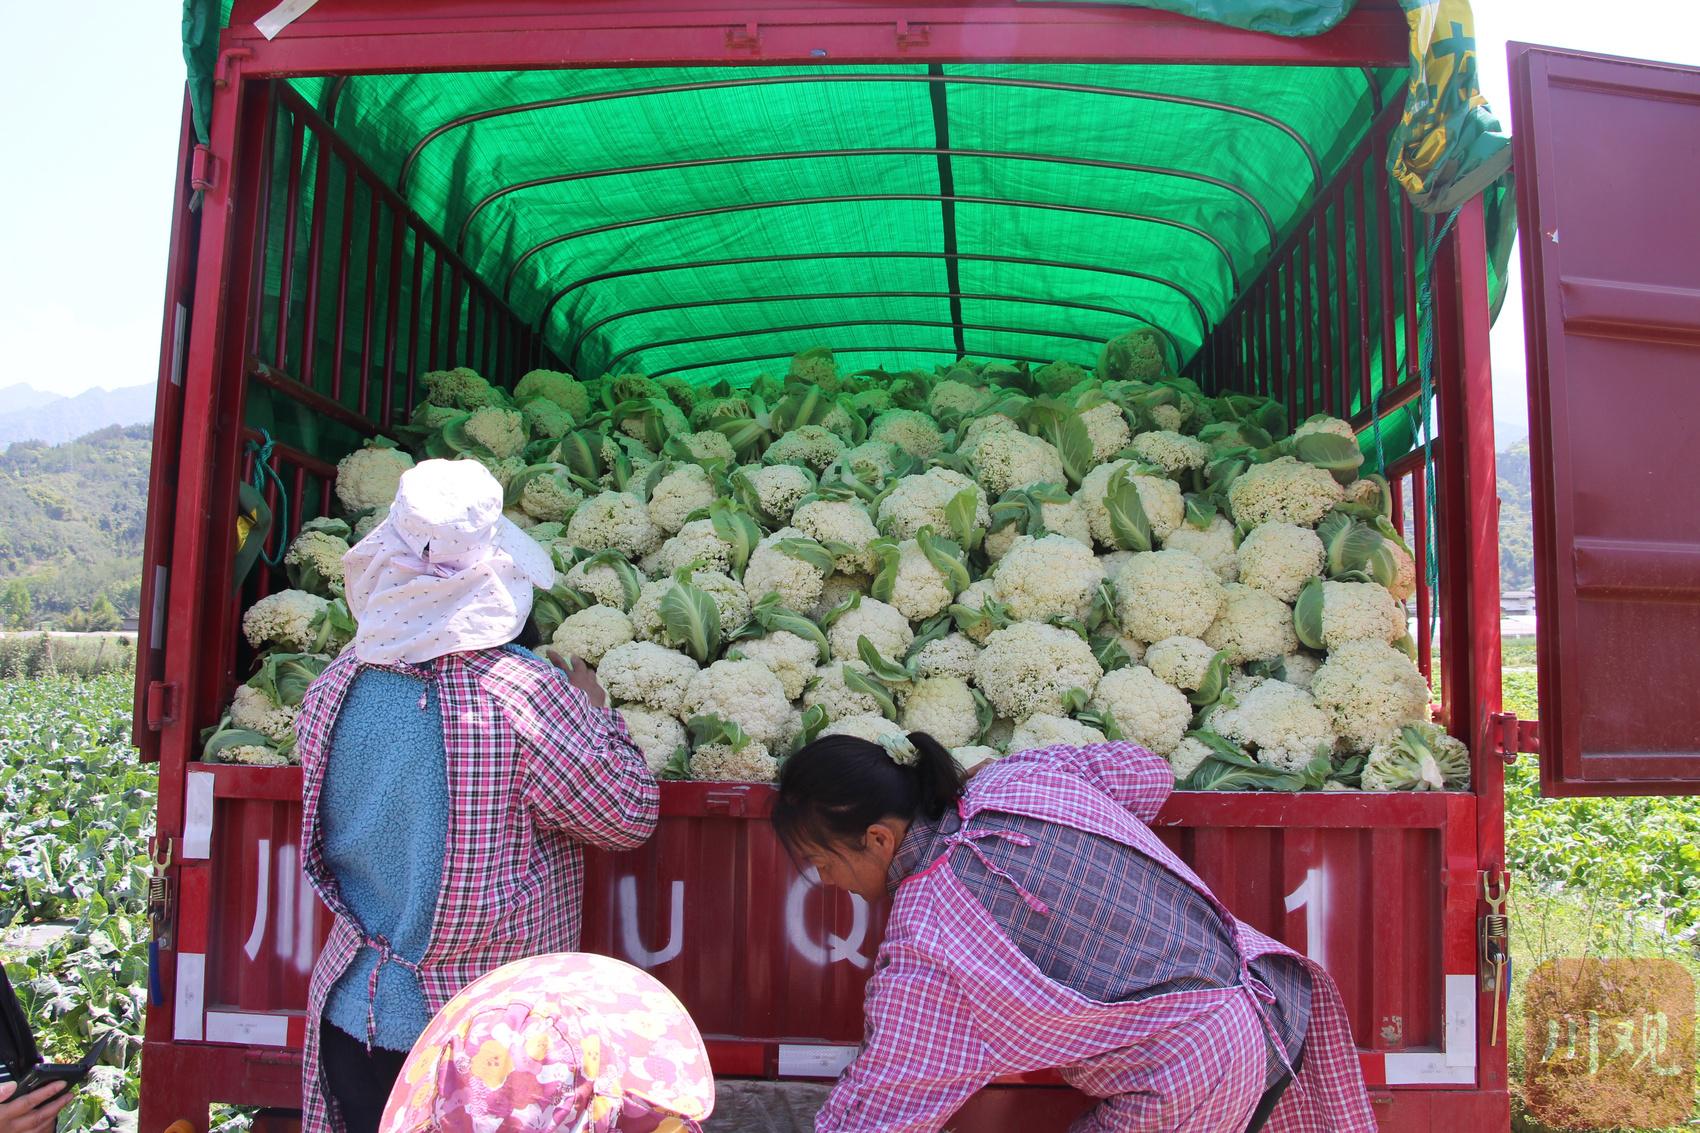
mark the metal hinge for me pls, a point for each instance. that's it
(746, 38)
(221, 71)
(918, 36)
(162, 704)
(201, 168)
(1511, 736)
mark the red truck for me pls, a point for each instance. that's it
(366, 209)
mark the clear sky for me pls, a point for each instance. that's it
(92, 110)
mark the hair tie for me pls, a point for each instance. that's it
(902, 752)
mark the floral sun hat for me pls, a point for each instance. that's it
(569, 1042)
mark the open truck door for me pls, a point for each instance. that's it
(1607, 160)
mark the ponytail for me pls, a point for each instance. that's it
(835, 788)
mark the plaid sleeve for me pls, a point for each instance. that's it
(1134, 777)
(921, 1057)
(584, 776)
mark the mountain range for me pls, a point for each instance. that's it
(29, 414)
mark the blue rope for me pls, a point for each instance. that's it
(262, 469)
(1425, 366)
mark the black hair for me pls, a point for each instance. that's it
(835, 788)
(530, 637)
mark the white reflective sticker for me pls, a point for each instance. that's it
(797, 1060)
(281, 17)
(249, 1030)
(191, 996)
(198, 814)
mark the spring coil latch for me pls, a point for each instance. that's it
(1494, 937)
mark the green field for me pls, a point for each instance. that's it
(1599, 877)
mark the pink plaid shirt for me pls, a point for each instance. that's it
(953, 1003)
(534, 771)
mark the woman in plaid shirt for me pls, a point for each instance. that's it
(1037, 922)
(450, 779)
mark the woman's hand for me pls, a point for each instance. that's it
(35, 1111)
(580, 675)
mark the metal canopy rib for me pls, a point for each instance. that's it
(947, 198)
(877, 151)
(776, 80)
(792, 257)
(753, 331)
(840, 352)
(578, 343)
(849, 198)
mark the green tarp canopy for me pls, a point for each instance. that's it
(712, 221)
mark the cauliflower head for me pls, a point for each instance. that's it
(1279, 724)
(710, 446)
(1182, 661)
(1186, 757)
(1008, 458)
(370, 477)
(1167, 594)
(679, 493)
(1254, 625)
(1280, 558)
(827, 689)
(718, 763)
(835, 591)
(951, 396)
(884, 626)
(973, 755)
(1418, 757)
(1217, 546)
(1041, 730)
(560, 388)
(645, 673)
(1369, 689)
(1029, 667)
(942, 707)
(254, 710)
(1051, 577)
(459, 388)
(1150, 711)
(919, 501)
(869, 726)
(921, 589)
(1324, 424)
(778, 487)
(657, 734)
(950, 656)
(770, 570)
(910, 430)
(1171, 451)
(1359, 611)
(322, 551)
(871, 461)
(614, 521)
(747, 693)
(725, 592)
(814, 445)
(791, 658)
(1107, 428)
(592, 632)
(600, 583)
(844, 521)
(502, 431)
(285, 619)
(695, 540)
(1300, 667)
(1164, 505)
(1283, 491)
(549, 499)
(544, 419)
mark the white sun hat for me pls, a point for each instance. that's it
(445, 572)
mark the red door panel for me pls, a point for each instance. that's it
(1607, 158)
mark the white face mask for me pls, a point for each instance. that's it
(444, 572)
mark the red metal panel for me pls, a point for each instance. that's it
(467, 35)
(1610, 222)
(167, 418)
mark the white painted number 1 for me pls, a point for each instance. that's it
(1312, 897)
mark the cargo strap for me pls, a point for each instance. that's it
(262, 469)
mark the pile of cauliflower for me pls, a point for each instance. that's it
(1004, 558)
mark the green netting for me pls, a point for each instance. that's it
(711, 221)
